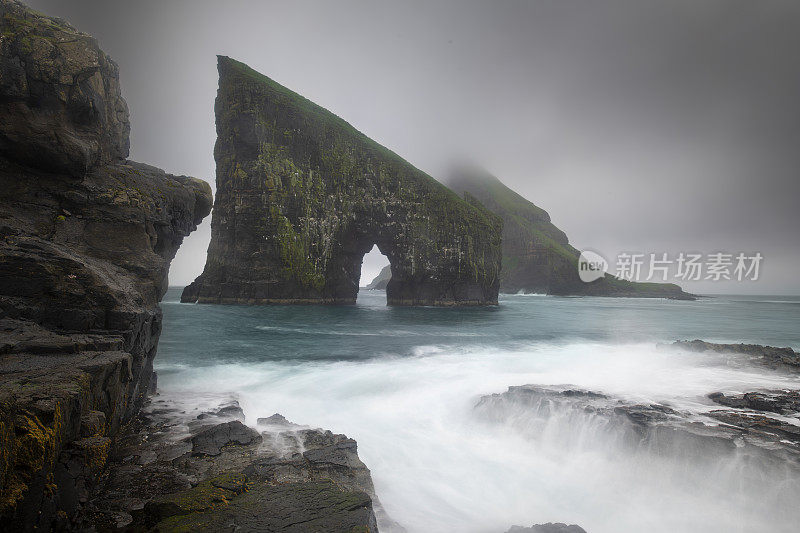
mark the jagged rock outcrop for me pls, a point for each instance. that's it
(302, 196)
(86, 239)
(287, 478)
(380, 281)
(537, 256)
(769, 356)
(747, 428)
(61, 106)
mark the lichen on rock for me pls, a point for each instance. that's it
(302, 196)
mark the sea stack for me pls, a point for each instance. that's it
(302, 196)
(86, 239)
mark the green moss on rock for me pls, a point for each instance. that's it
(302, 195)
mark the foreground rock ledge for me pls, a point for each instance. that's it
(302, 196)
(86, 238)
(226, 476)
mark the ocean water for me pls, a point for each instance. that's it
(404, 383)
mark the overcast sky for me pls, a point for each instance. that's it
(645, 126)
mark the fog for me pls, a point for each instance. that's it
(645, 126)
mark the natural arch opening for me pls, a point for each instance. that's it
(375, 271)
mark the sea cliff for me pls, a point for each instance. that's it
(302, 196)
(537, 255)
(86, 239)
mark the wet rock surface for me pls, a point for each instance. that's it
(768, 356)
(86, 238)
(784, 402)
(302, 196)
(211, 440)
(290, 479)
(751, 427)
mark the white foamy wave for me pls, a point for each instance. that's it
(439, 468)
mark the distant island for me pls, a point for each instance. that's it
(537, 256)
(380, 281)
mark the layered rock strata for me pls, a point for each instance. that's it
(212, 473)
(86, 238)
(748, 426)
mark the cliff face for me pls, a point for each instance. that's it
(537, 256)
(86, 239)
(302, 196)
(61, 104)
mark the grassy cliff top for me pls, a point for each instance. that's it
(336, 127)
(520, 216)
(486, 186)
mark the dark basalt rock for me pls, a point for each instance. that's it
(663, 428)
(537, 256)
(549, 527)
(86, 239)
(277, 420)
(232, 411)
(769, 356)
(782, 402)
(211, 440)
(61, 107)
(292, 481)
(302, 196)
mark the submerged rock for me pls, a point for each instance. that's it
(302, 196)
(86, 239)
(769, 356)
(537, 256)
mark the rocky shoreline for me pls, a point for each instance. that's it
(179, 469)
(767, 356)
(86, 240)
(743, 427)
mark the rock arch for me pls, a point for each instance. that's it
(302, 196)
